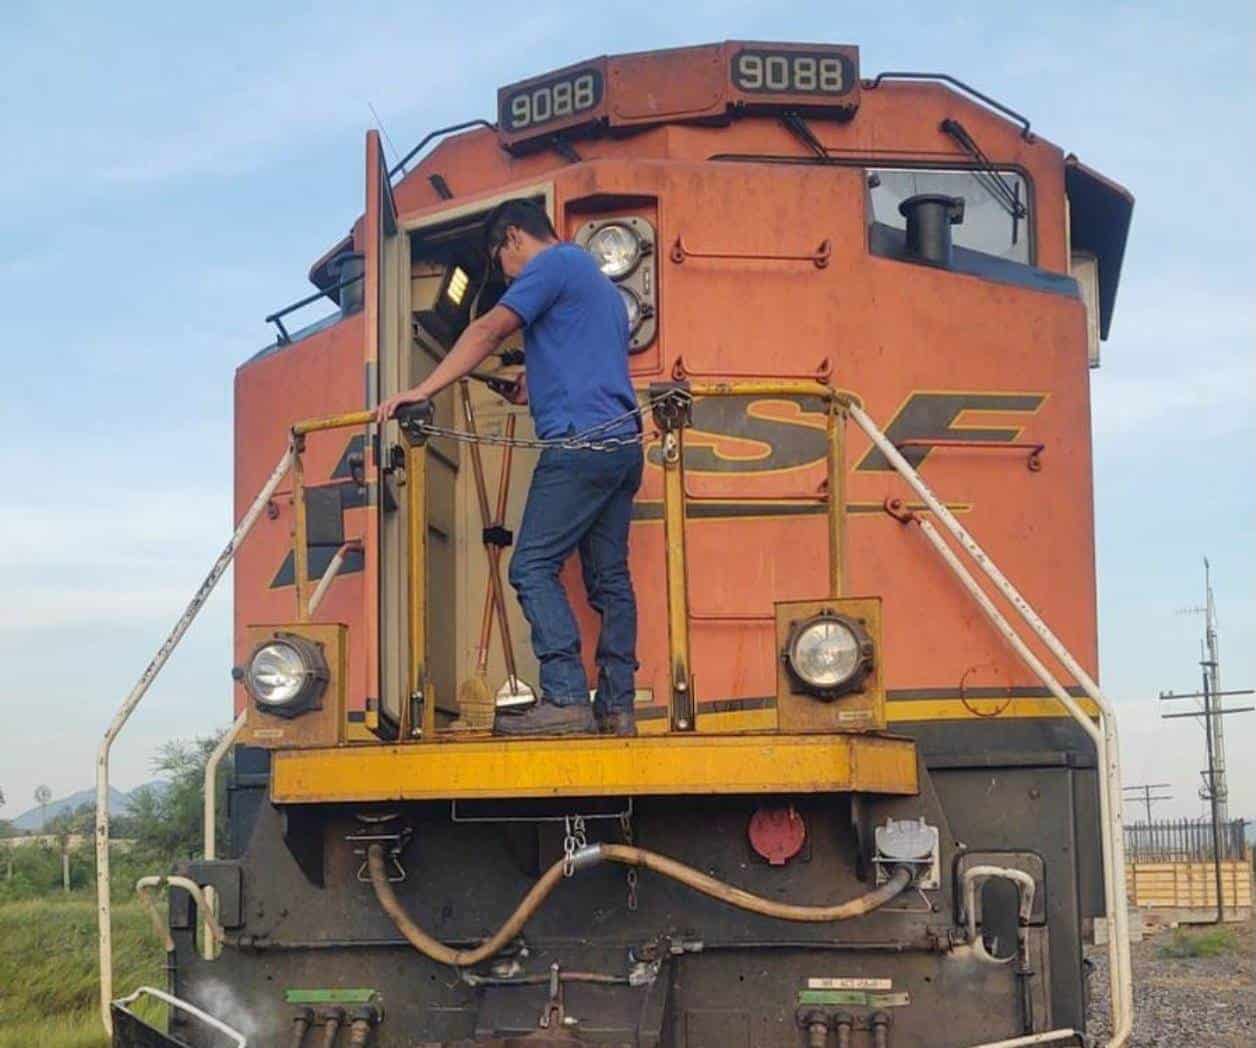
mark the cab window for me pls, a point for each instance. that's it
(997, 219)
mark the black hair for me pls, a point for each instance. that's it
(525, 215)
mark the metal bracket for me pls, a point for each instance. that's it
(1035, 449)
(395, 842)
(414, 420)
(672, 405)
(818, 258)
(908, 842)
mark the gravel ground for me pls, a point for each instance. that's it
(1184, 1001)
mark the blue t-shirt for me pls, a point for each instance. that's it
(575, 340)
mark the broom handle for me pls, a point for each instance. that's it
(494, 573)
(503, 495)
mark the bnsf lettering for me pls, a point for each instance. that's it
(728, 435)
(931, 416)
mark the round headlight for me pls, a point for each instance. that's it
(616, 249)
(829, 654)
(286, 674)
(633, 305)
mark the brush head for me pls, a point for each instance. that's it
(476, 705)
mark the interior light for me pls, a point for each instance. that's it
(457, 286)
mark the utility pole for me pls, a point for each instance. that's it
(1211, 663)
(1214, 790)
(1212, 712)
(1146, 797)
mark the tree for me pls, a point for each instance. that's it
(167, 823)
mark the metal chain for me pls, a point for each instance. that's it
(585, 440)
(574, 839)
(625, 824)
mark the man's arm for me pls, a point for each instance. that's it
(481, 337)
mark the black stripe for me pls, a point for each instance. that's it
(920, 694)
(763, 702)
(713, 509)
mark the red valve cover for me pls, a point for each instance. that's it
(777, 834)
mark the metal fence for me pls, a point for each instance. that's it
(1183, 840)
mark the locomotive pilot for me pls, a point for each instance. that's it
(575, 333)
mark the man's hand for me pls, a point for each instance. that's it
(393, 404)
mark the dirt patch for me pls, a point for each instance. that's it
(1205, 1001)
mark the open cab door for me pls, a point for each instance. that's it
(384, 611)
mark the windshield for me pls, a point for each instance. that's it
(989, 225)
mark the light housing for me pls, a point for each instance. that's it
(632, 303)
(616, 248)
(286, 675)
(623, 246)
(828, 654)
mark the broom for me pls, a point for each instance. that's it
(476, 703)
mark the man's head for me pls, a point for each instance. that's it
(514, 232)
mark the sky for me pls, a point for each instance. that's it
(172, 170)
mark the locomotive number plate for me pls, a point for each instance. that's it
(819, 74)
(555, 98)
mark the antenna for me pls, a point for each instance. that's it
(380, 124)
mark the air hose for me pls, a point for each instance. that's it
(596, 854)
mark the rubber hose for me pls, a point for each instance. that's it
(716, 889)
(628, 856)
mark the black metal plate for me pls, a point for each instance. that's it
(130, 1032)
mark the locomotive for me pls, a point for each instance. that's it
(875, 794)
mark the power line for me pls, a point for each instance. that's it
(1146, 797)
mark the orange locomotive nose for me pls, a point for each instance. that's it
(860, 318)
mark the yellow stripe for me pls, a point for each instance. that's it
(954, 709)
(593, 765)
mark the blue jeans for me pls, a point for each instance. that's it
(580, 499)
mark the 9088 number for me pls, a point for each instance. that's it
(551, 100)
(791, 73)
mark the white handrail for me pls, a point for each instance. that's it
(333, 569)
(103, 908)
(209, 948)
(182, 1005)
(1112, 839)
(142, 887)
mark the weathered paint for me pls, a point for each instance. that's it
(582, 766)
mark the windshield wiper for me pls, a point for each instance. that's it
(1005, 195)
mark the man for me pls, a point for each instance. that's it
(575, 331)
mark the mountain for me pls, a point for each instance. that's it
(119, 804)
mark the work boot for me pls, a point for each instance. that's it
(617, 724)
(547, 719)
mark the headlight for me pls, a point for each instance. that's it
(829, 654)
(633, 305)
(616, 249)
(286, 675)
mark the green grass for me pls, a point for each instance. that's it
(1210, 943)
(48, 981)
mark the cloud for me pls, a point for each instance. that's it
(317, 90)
(121, 529)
